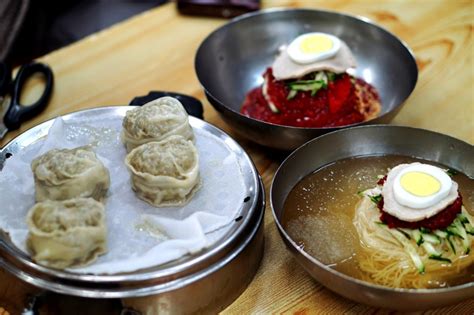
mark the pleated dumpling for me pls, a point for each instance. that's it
(68, 233)
(155, 121)
(62, 174)
(165, 173)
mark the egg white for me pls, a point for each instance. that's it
(406, 198)
(304, 58)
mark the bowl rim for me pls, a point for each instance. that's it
(356, 17)
(335, 272)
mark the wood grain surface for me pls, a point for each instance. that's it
(155, 51)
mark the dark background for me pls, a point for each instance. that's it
(32, 28)
(50, 24)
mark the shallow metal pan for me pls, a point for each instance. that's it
(366, 141)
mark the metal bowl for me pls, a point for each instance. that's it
(231, 61)
(365, 141)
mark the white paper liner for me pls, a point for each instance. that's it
(139, 235)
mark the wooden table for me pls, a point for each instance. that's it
(155, 51)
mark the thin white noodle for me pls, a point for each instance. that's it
(384, 260)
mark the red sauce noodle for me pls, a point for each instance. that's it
(345, 101)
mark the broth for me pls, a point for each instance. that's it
(322, 205)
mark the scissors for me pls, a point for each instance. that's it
(16, 113)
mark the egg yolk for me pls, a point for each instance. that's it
(316, 44)
(420, 184)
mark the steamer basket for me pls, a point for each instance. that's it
(203, 282)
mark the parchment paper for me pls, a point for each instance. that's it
(139, 235)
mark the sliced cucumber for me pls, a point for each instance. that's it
(451, 172)
(430, 250)
(425, 230)
(462, 218)
(454, 230)
(316, 85)
(451, 243)
(431, 238)
(466, 244)
(469, 229)
(291, 94)
(410, 249)
(405, 232)
(416, 234)
(417, 261)
(440, 233)
(375, 199)
(321, 76)
(440, 258)
(273, 108)
(466, 224)
(331, 76)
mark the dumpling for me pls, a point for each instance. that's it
(62, 174)
(155, 121)
(68, 233)
(165, 173)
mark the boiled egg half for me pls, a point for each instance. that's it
(312, 47)
(421, 185)
(417, 191)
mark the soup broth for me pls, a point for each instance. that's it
(318, 213)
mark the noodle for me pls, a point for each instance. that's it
(338, 227)
(386, 255)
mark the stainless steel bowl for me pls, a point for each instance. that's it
(202, 282)
(360, 141)
(231, 61)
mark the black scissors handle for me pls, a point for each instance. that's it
(18, 113)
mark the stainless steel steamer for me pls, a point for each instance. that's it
(205, 282)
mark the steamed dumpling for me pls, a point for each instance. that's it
(70, 173)
(164, 173)
(66, 233)
(155, 121)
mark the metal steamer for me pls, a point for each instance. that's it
(204, 282)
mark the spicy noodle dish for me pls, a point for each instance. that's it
(390, 220)
(308, 86)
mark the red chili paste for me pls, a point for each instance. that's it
(346, 100)
(439, 221)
